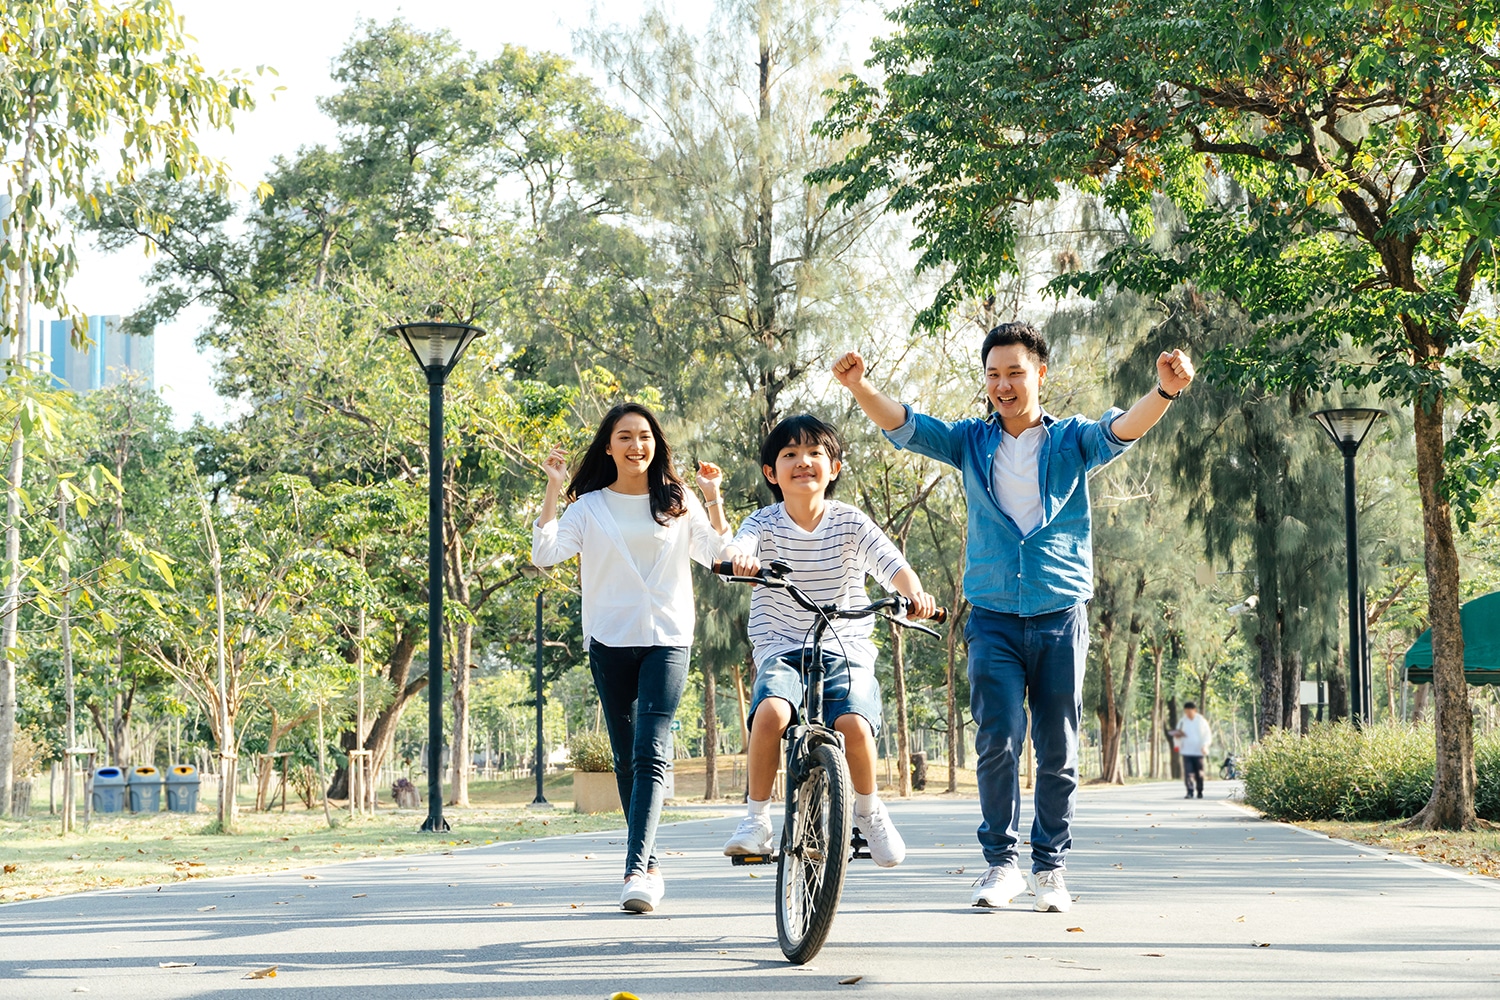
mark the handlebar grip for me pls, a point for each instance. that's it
(724, 568)
(939, 616)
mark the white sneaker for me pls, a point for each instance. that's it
(640, 894)
(658, 885)
(887, 849)
(998, 886)
(1051, 891)
(752, 836)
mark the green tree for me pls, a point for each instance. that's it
(74, 72)
(1359, 225)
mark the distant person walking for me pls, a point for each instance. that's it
(1193, 739)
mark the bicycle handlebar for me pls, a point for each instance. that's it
(774, 574)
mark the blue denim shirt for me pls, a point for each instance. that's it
(1052, 568)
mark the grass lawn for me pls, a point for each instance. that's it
(129, 850)
(1474, 851)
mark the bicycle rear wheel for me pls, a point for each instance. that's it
(814, 855)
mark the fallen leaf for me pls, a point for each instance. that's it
(309, 877)
(205, 909)
(1153, 954)
(575, 906)
(453, 885)
(359, 895)
(500, 904)
(622, 995)
(956, 871)
(269, 972)
(175, 965)
(753, 875)
(1239, 920)
(1261, 944)
(1075, 930)
(850, 980)
(10, 869)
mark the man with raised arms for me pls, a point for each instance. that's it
(1029, 575)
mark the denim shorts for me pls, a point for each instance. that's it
(845, 690)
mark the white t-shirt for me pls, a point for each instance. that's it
(1196, 737)
(829, 564)
(1015, 477)
(638, 528)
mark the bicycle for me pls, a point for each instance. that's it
(818, 839)
(1230, 769)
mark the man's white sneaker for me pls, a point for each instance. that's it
(752, 836)
(998, 886)
(1051, 891)
(641, 893)
(887, 849)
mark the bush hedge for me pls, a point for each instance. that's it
(1382, 772)
(590, 752)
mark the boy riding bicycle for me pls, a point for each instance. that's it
(830, 547)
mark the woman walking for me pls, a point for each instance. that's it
(634, 525)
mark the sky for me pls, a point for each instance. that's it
(299, 38)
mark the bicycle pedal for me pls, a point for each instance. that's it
(859, 853)
(755, 859)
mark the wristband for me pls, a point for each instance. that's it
(715, 502)
(1164, 394)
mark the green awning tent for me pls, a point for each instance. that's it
(1481, 623)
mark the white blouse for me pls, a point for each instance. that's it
(624, 605)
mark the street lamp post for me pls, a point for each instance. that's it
(533, 572)
(1348, 428)
(437, 348)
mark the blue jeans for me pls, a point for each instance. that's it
(1014, 662)
(639, 687)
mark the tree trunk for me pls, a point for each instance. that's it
(1291, 689)
(955, 726)
(1270, 676)
(463, 634)
(710, 733)
(739, 694)
(1156, 709)
(1174, 757)
(1338, 686)
(903, 737)
(1419, 704)
(1452, 804)
(8, 624)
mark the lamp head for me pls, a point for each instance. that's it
(1348, 426)
(437, 346)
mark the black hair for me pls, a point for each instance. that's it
(1014, 333)
(1189, 704)
(804, 428)
(597, 470)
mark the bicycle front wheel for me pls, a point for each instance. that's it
(814, 855)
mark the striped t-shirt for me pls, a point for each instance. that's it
(829, 565)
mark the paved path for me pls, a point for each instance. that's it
(1174, 895)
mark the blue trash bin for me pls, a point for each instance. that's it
(145, 789)
(109, 790)
(182, 789)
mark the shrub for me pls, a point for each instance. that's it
(590, 752)
(1382, 772)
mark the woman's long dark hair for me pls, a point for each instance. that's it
(597, 470)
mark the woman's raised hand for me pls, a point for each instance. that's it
(709, 478)
(555, 465)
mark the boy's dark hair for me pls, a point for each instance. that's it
(597, 470)
(1189, 704)
(1014, 333)
(804, 428)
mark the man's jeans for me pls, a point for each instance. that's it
(639, 687)
(1038, 661)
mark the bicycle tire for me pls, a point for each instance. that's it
(814, 855)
